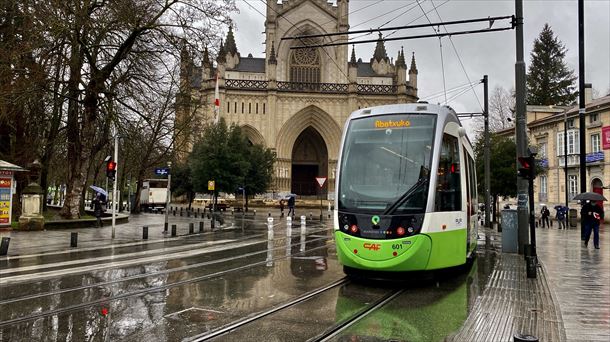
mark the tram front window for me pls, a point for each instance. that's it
(383, 158)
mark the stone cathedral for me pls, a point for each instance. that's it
(296, 101)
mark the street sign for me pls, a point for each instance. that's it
(161, 171)
(321, 181)
(211, 185)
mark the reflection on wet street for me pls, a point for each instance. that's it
(193, 286)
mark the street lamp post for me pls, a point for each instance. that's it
(116, 160)
(168, 195)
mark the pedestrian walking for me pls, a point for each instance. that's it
(545, 213)
(291, 202)
(98, 209)
(560, 215)
(592, 215)
(282, 207)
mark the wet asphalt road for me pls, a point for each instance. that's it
(184, 288)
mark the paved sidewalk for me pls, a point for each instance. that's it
(568, 301)
(580, 278)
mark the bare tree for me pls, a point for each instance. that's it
(501, 111)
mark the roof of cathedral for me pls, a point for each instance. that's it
(366, 70)
(250, 64)
(230, 46)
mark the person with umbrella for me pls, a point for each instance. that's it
(591, 215)
(560, 215)
(98, 209)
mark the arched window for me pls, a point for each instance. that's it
(305, 63)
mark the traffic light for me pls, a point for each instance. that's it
(110, 169)
(528, 168)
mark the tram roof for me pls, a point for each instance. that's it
(419, 107)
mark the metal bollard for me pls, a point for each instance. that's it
(268, 214)
(310, 216)
(145, 233)
(270, 228)
(73, 239)
(254, 211)
(4, 245)
(180, 211)
(212, 224)
(201, 227)
(173, 230)
(191, 228)
(288, 226)
(198, 211)
(165, 228)
(188, 213)
(303, 224)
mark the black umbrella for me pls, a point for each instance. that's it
(591, 196)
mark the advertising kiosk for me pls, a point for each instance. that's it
(7, 189)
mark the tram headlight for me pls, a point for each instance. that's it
(353, 229)
(400, 231)
(410, 230)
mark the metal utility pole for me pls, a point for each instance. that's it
(581, 95)
(168, 196)
(116, 160)
(486, 150)
(565, 157)
(520, 129)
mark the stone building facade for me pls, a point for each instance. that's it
(296, 101)
(546, 125)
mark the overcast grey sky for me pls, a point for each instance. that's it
(488, 53)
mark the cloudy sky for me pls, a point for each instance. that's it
(488, 53)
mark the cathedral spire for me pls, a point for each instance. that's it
(400, 60)
(230, 46)
(413, 69)
(221, 58)
(206, 62)
(380, 53)
(272, 59)
(352, 61)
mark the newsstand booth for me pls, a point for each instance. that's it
(7, 189)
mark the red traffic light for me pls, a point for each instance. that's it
(111, 166)
(524, 161)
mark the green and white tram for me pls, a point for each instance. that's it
(406, 194)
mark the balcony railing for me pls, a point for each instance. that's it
(312, 87)
(595, 157)
(246, 84)
(328, 88)
(377, 89)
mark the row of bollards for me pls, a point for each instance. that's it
(4, 245)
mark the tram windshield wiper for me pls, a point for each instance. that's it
(405, 196)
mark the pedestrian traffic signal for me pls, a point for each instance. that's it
(527, 169)
(111, 169)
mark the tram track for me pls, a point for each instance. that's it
(148, 290)
(235, 325)
(151, 274)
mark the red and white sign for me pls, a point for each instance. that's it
(321, 181)
(216, 102)
(606, 138)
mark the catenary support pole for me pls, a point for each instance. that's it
(581, 103)
(520, 130)
(487, 147)
(114, 196)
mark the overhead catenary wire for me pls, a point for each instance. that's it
(457, 53)
(416, 19)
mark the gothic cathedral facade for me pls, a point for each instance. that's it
(296, 101)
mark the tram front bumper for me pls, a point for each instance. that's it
(404, 254)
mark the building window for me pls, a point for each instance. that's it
(448, 186)
(573, 183)
(542, 150)
(573, 143)
(257, 108)
(249, 108)
(595, 143)
(305, 63)
(593, 118)
(235, 108)
(543, 188)
(571, 123)
(228, 107)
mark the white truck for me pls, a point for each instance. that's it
(153, 194)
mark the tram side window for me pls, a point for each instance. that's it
(448, 187)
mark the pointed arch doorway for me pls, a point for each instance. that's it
(309, 160)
